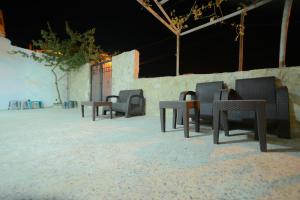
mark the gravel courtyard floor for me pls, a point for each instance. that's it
(55, 154)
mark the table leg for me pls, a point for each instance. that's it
(261, 129)
(174, 118)
(186, 120)
(163, 119)
(97, 110)
(110, 107)
(82, 110)
(216, 124)
(94, 112)
(224, 121)
(197, 119)
(255, 127)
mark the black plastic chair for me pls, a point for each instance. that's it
(129, 102)
(262, 88)
(206, 93)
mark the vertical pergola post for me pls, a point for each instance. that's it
(177, 53)
(241, 34)
(284, 31)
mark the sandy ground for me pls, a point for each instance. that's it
(55, 154)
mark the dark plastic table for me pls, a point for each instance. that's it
(95, 107)
(220, 112)
(185, 106)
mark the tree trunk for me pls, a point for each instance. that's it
(284, 31)
(56, 85)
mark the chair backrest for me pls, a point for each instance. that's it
(257, 88)
(124, 94)
(205, 91)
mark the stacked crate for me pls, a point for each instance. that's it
(27, 104)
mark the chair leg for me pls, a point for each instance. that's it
(118, 113)
(186, 120)
(82, 110)
(197, 120)
(110, 110)
(94, 112)
(216, 125)
(255, 127)
(261, 126)
(284, 129)
(174, 118)
(162, 119)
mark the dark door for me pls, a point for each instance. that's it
(96, 89)
(106, 79)
(100, 81)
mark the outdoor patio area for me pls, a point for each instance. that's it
(55, 154)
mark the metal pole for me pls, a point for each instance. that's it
(177, 53)
(242, 33)
(284, 31)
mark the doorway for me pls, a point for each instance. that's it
(101, 74)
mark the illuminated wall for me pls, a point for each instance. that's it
(22, 78)
(80, 82)
(2, 27)
(169, 88)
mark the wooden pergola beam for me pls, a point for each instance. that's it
(176, 31)
(166, 15)
(163, 2)
(253, 6)
(157, 16)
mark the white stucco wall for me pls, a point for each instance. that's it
(22, 78)
(169, 88)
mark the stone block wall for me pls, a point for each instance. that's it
(79, 84)
(168, 88)
(124, 70)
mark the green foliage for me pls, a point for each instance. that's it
(67, 54)
(198, 12)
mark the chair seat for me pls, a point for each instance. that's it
(119, 107)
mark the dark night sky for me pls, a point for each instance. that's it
(122, 25)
